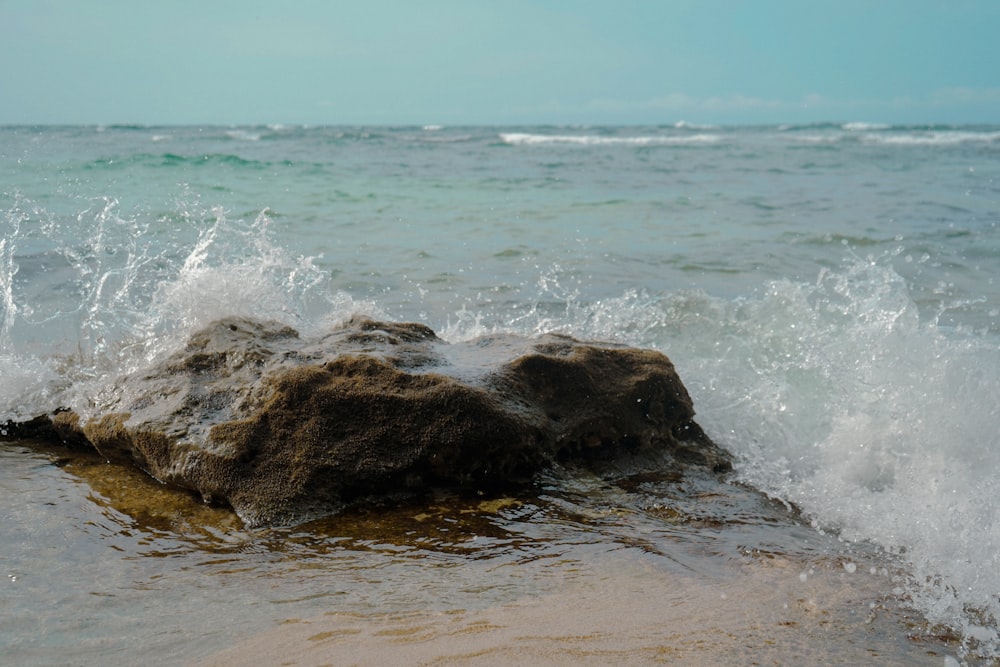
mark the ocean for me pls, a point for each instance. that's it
(829, 293)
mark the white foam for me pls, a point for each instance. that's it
(815, 138)
(685, 125)
(942, 138)
(864, 127)
(525, 139)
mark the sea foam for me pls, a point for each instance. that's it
(932, 138)
(525, 139)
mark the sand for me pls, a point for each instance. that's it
(771, 612)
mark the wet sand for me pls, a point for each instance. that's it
(766, 612)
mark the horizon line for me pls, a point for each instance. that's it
(679, 124)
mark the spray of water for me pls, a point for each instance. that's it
(90, 297)
(838, 395)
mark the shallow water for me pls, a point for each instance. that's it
(828, 294)
(156, 570)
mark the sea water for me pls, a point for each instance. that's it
(829, 294)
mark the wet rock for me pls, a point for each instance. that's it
(283, 428)
(62, 426)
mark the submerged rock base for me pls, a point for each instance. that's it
(283, 428)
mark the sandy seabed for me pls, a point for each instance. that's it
(769, 612)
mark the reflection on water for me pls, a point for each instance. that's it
(103, 565)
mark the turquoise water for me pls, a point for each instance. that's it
(828, 292)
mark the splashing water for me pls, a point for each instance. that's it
(129, 291)
(837, 396)
(881, 427)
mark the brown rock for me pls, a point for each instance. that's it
(282, 428)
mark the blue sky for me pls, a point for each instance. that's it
(499, 61)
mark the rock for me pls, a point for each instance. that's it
(282, 428)
(62, 426)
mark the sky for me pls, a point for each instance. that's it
(511, 62)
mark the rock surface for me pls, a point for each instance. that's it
(282, 428)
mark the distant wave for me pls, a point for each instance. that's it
(932, 138)
(815, 138)
(809, 126)
(243, 135)
(437, 138)
(864, 127)
(173, 159)
(523, 139)
(685, 125)
(877, 134)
